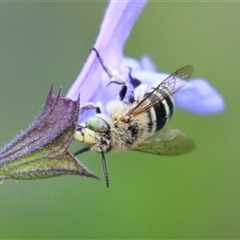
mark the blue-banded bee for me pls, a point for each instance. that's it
(136, 124)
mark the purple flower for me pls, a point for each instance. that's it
(41, 151)
(198, 96)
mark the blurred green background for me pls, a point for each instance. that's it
(192, 196)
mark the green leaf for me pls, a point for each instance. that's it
(41, 151)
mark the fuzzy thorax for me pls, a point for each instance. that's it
(126, 134)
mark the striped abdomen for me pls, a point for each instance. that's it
(162, 109)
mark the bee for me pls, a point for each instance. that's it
(136, 124)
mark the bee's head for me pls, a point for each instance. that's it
(98, 123)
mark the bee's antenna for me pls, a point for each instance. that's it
(105, 169)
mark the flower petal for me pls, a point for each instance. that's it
(116, 26)
(147, 63)
(199, 97)
(115, 29)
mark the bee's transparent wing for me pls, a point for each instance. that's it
(172, 83)
(168, 142)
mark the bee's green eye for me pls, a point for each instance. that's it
(97, 124)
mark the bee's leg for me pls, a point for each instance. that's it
(122, 93)
(85, 149)
(113, 74)
(91, 106)
(107, 69)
